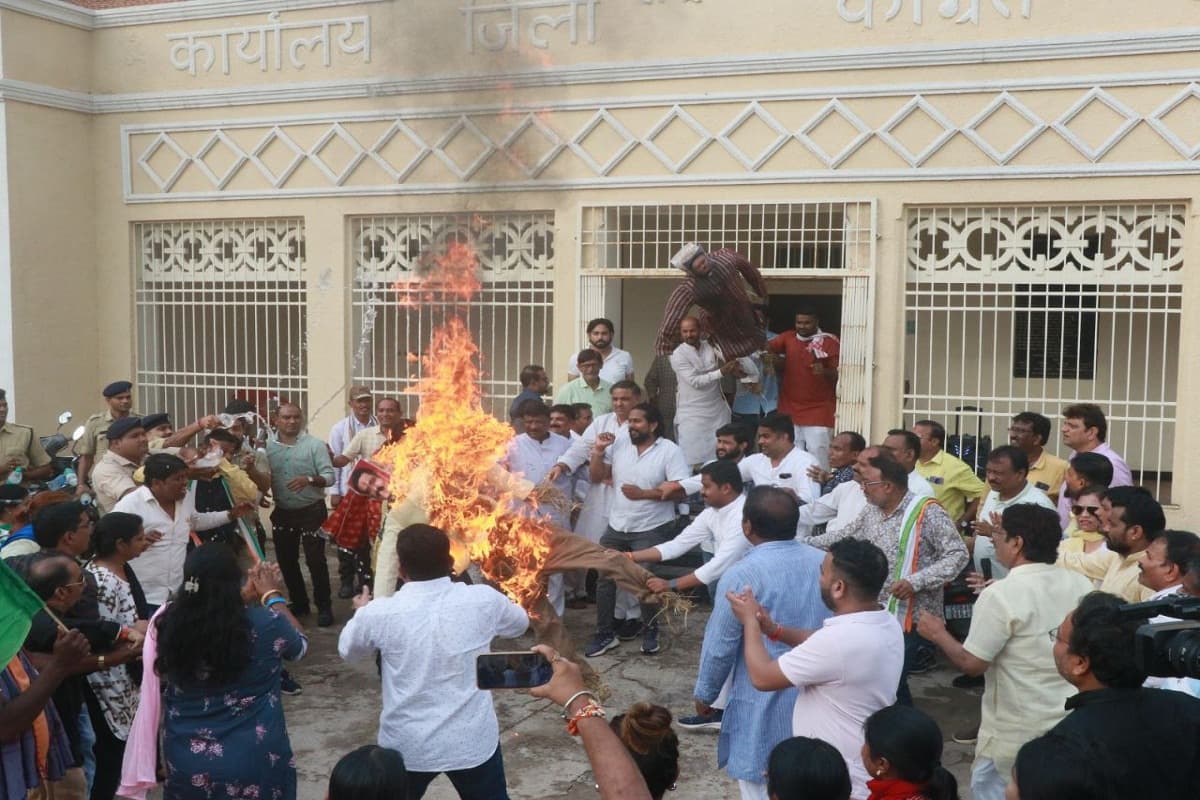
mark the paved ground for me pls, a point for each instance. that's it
(339, 708)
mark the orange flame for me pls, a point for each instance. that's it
(454, 450)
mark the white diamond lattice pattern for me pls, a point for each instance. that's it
(551, 146)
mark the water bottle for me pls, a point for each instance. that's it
(16, 476)
(57, 484)
(72, 478)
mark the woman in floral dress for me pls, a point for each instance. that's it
(223, 729)
(118, 537)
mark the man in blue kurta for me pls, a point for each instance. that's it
(786, 572)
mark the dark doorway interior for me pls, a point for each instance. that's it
(781, 311)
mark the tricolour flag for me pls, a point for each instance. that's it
(18, 604)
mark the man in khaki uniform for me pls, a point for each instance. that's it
(127, 448)
(118, 395)
(20, 447)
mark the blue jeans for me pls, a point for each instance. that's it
(915, 646)
(87, 744)
(484, 782)
(606, 588)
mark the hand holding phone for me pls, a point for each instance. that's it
(512, 670)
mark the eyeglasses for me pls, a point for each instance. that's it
(1081, 510)
(865, 484)
(1053, 634)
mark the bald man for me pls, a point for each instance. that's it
(700, 406)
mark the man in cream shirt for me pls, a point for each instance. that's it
(1008, 643)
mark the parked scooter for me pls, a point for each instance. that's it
(63, 465)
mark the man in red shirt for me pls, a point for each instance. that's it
(808, 393)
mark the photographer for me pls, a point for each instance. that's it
(1151, 735)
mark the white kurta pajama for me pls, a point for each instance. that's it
(700, 406)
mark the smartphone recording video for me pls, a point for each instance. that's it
(519, 670)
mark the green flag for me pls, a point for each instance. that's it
(18, 604)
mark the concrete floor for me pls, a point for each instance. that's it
(338, 711)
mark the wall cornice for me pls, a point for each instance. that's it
(95, 19)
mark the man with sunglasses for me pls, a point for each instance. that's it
(1131, 519)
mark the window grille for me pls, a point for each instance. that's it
(220, 311)
(1034, 308)
(511, 317)
(780, 238)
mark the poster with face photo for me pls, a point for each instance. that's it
(370, 479)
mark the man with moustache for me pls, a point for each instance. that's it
(1132, 518)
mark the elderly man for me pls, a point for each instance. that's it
(1085, 430)
(127, 448)
(923, 549)
(300, 471)
(700, 406)
(589, 387)
(955, 484)
(1007, 471)
(808, 391)
(118, 397)
(1150, 736)
(1030, 432)
(784, 576)
(617, 364)
(1131, 519)
(1023, 694)
(20, 447)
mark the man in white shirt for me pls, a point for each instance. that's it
(1007, 477)
(168, 512)
(360, 417)
(700, 407)
(905, 447)
(846, 670)
(636, 461)
(1165, 568)
(717, 530)
(428, 635)
(618, 364)
(592, 521)
(1011, 643)
(533, 454)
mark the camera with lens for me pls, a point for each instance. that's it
(1167, 649)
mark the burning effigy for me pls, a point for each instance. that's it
(445, 471)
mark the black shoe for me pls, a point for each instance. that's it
(924, 662)
(288, 685)
(629, 629)
(299, 610)
(324, 618)
(967, 682)
(346, 591)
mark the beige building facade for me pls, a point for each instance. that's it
(990, 201)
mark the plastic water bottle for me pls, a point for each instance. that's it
(72, 478)
(16, 476)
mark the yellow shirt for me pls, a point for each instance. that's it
(954, 483)
(1023, 694)
(1048, 474)
(1117, 575)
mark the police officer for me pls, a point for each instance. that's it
(20, 447)
(118, 395)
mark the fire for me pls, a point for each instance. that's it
(450, 456)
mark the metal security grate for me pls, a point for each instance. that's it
(781, 238)
(220, 308)
(1034, 308)
(511, 317)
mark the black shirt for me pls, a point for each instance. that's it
(1151, 738)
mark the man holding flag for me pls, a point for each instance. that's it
(923, 548)
(33, 746)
